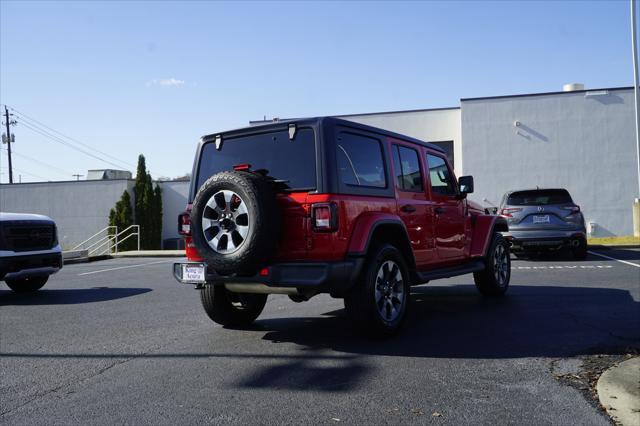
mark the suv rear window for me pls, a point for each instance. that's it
(539, 197)
(291, 160)
(360, 161)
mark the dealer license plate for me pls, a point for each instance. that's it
(541, 219)
(193, 273)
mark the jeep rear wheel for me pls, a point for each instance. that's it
(26, 285)
(231, 309)
(494, 279)
(378, 302)
(235, 222)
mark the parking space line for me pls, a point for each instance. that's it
(613, 258)
(125, 267)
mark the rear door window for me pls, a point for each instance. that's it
(440, 176)
(407, 169)
(539, 197)
(360, 161)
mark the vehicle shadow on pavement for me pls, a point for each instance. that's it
(68, 296)
(456, 322)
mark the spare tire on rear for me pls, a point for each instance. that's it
(235, 222)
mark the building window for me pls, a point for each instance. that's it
(447, 146)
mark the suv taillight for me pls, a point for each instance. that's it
(508, 211)
(324, 217)
(184, 223)
(573, 209)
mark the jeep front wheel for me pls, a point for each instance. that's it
(494, 279)
(231, 309)
(378, 302)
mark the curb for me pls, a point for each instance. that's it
(619, 392)
(150, 253)
(612, 246)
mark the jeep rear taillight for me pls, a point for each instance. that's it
(184, 224)
(324, 217)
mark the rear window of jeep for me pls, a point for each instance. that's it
(293, 161)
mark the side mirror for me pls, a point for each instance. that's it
(466, 184)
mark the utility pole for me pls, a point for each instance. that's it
(636, 201)
(635, 82)
(9, 123)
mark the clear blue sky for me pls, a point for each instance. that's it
(152, 77)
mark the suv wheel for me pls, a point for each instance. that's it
(26, 285)
(231, 309)
(494, 279)
(235, 222)
(579, 252)
(378, 302)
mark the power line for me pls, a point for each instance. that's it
(31, 174)
(51, 133)
(24, 116)
(69, 145)
(42, 163)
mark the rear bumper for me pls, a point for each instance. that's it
(30, 265)
(288, 278)
(541, 239)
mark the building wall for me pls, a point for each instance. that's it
(79, 208)
(585, 144)
(435, 125)
(174, 201)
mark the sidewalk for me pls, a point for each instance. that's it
(150, 253)
(619, 392)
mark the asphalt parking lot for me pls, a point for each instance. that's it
(119, 341)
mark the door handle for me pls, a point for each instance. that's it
(408, 208)
(438, 210)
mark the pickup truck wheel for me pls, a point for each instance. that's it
(378, 302)
(231, 309)
(235, 222)
(494, 279)
(26, 285)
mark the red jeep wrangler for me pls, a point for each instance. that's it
(325, 205)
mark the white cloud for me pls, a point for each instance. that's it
(167, 82)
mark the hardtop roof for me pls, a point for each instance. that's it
(283, 124)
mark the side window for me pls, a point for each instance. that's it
(360, 160)
(407, 168)
(440, 176)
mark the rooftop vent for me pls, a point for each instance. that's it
(572, 87)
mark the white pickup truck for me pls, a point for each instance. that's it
(29, 251)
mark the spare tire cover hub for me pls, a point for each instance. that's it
(225, 222)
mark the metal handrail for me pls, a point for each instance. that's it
(111, 240)
(95, 235)
(106, 250)
(118, 234)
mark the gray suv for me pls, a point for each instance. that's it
(544, 219)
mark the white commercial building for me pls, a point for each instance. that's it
(581, 140)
